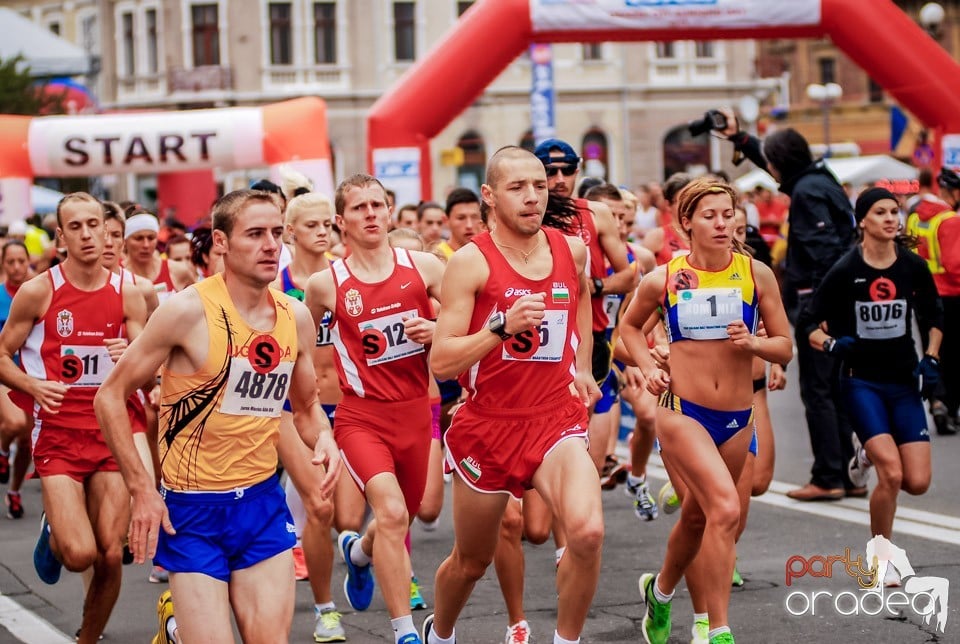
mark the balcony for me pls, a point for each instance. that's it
(205, 78)
(673, 72)
(298, 78)
(139, 87)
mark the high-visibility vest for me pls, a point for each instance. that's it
(926, 233)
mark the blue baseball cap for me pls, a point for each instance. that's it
(543, 151)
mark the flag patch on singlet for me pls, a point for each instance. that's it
(471, 468)
(561, 295)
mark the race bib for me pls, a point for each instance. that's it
(383, 339)
(253, 391)
(704, 313)
(611, 305)
(881, 320)
(84, 366)
(543, 344)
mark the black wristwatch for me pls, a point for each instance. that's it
(597, 287)
(828, 344)
(497, 324)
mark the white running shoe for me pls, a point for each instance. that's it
(859, 467)
(519, 633)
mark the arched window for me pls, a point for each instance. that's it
(683, 152)
(594, 153)
(471, 173)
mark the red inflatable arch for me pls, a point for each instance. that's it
(877, 35)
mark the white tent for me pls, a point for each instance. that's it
(754, 179)
(44, 200)
(858, 171)
(46, 53)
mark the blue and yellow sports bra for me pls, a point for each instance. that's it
(699, 304)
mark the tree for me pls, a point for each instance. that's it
(20, 93)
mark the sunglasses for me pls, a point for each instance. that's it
(567, 170)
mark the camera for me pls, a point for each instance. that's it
(712, 120)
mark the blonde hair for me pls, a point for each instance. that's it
(690, 196)
(307, 202)
(398, 235)
(292, 181)
(629, 198)
(73, 197)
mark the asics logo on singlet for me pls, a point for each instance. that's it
(510, 292)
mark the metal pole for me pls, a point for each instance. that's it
(826, 127)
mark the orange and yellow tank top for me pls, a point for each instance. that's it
(219, 426)
(699, 304)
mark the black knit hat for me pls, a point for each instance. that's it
(869, 197)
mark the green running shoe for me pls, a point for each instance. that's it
(669, 501)
(722, 638)
(656, 618)
(737, 579)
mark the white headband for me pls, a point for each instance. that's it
(139, 223)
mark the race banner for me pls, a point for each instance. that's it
(589, 15)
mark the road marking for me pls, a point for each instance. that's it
(27, 626)
(916, 523)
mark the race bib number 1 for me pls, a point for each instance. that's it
(881, 320)
(255, 392)
(704, 313)
(84, 366)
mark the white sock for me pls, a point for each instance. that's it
(297, 511)
(433, 638)
(559, 554)
(635, 481)
(358, 556)
(402, 626)
(319, 608)
(172, 628)
(661, 597)
(863, 458)
(699, 616)
(559, 640)
(719, 630)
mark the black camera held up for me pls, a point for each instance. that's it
(712, 120)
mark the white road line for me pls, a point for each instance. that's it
(26, 626)
(917, 523)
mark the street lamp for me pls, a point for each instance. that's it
(826, 96)
(931, 17)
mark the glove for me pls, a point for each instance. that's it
(843, 346)
(928, 375)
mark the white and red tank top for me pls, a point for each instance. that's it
(596, 262)
(163, 284)
(535, 367)
(375, 359)
(66, 345)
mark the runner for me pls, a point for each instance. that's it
(143, 259)
(66, 323)
(513, 313)
(379, 302)
(704, 422)
(225, 536)
(463, 220)
(862, 314)
(309, 220)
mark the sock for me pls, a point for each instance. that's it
(172, 628)
(319, 608)
(559, 640)
(433, 638)
(636, 481)
(402, 626)
(559, 554)
(13, 492)
(719, 630)
(700, 616)
(863, 458)
(358, 556)
(660, 596)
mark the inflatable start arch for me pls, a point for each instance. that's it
(183, 148)
(877, 35)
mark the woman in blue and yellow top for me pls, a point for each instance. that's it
(714, 297)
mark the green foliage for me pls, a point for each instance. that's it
(20, 93)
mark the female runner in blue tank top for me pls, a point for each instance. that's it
(712, 301)
(862, 312)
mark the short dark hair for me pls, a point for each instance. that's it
(425, 206)
(675, 184)
(10, 243)
(588, 184)
(926, 179)
(460, 195)
(788, 152)
(604, 191)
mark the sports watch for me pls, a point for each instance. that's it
(828, 344)
(597, 287)
(497, 324)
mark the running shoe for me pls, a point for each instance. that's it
(722, 638)
(416, 599)
(891, 578)
(700, 632)
(614, 472)
(519, 633)
(44, 561)
(656, 616)
(941, 419)
(127, 553)
(358, 584)
(14, 505)
(164, 615)
(643, 504)
(409, 638)
(158, 575)
(4, 468)
(859, 467)
(328, 628)
(737, 579)
(668, 498)
(427, 628)
(300, 572)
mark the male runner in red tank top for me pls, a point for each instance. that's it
(66, 323)
(517, 310)
(379, 301)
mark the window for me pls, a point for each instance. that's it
(471, 174)
(129, 61)
(54, 27)
(206, 35)
(463, 6)
(704, 49)
(404, 31)
(666, 49)
(89, 34)
(592, 51)
(325, 33)
(594, 148)
(281, 34)
(828, 70)
(150, 18)
(874, 91)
